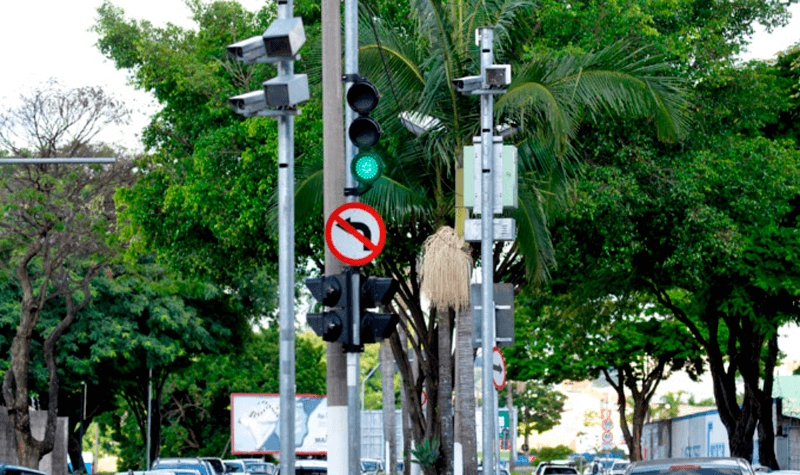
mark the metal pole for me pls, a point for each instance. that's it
(149, 415)
(487, 259)
(354, 358)
(35, 161)
(333, 184)
(286, 268)
(353, 377)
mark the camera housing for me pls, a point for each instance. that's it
(284, 37)
(249, 50)
(467, 83)
(248, 103)
(286, 90)
(498, 75)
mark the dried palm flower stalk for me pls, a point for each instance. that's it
(445, 270)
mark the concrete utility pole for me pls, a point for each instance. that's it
(334, 183)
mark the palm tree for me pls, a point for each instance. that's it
(426, 124)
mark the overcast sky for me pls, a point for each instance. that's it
(51, 39)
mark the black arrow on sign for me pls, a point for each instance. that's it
(363, 228)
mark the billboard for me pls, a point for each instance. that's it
(255, 424)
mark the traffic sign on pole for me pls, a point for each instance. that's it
(498, 369)
(355, 233)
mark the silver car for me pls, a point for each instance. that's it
(692, 466)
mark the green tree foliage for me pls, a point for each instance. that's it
(709, 234)
(58, 232)
(196, 401)
(540, 408)
(207, 184)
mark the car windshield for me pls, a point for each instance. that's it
(559, 470)
(233, 467)
(620, 465)
(369, 466)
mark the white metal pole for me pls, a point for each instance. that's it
(286, 269)
(487, 258)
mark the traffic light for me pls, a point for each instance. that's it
(331, 291)
(377, 326)
(364, 132)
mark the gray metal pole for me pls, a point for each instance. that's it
(286, 268)
(353, 378)
(353, 359)
(487, 262)
(149, 415)
(35, 161)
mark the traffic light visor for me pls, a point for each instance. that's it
(363, 96)
(367, 167)
(364, 131)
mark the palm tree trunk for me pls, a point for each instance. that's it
(465, 393)
(446, 320)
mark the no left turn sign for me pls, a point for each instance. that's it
(355, 233)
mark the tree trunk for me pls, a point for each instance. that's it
(766, 429)
(16, 391)
(406, 414)
(387, 387)
(445, 402)
(465, 430)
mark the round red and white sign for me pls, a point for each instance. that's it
(355, 233)
(498, 369)
(607, 437)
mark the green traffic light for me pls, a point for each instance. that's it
(367, 167)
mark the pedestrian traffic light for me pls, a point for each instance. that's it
(331, 291)
(376, 326)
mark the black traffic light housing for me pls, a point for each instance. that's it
(335, 324)
(377, 291)
(331, 291)
(364, 132)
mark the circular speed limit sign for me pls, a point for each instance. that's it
(607, 437)
(607, 425)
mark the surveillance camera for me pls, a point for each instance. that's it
(498, 75)
(249, 50)
(286, 90)
(248, 103)
(467, 84)
(284, 37)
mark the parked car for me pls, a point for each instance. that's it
(556, 468)
(371, 466)
(240, 465)
(6, 469)
(261, 468)
(216, 463)
(618, 467)
(692, 466)
(308, 467)
(177, 463)
(503, 471)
